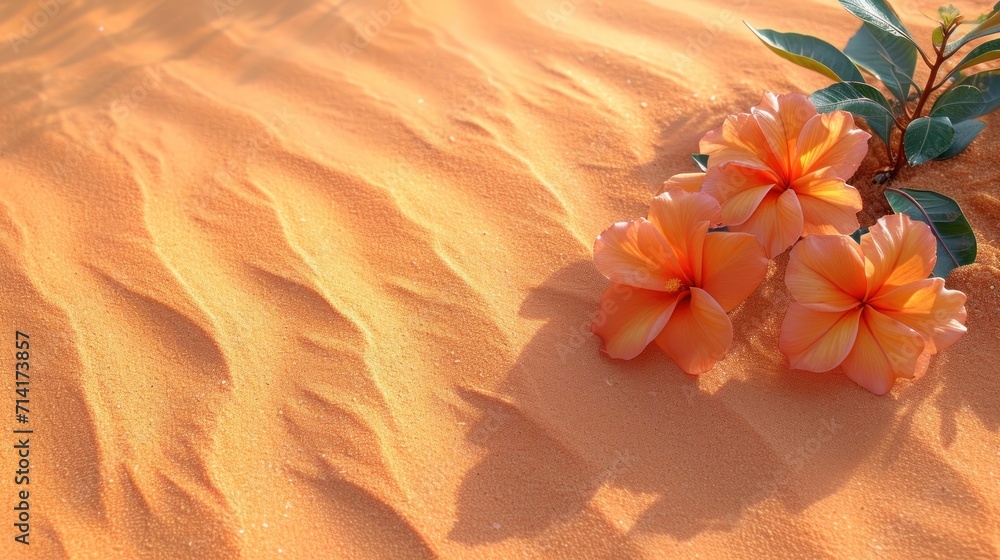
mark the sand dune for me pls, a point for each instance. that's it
(299, 290)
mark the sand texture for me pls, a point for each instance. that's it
(290, 297)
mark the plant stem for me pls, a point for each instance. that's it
(924, 97)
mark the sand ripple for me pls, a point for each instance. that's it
(297, 300)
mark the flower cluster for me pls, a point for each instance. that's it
(777, 175)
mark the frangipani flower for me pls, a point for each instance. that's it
(779, 171)
(673, 281)
(870, 308)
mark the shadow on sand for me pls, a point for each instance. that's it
(572, 423)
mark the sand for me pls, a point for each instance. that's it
(298, 291)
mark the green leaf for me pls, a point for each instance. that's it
(988, 83)
(986, 52)
(959, 103)
(949, 14)
(956, 242)
(937, 36)
(927, 138)
(965, 133)
(861, 100)
(857, 235)
(888, 57)
(701, 160)
(880, 14)
(809, 52)
(989, 26)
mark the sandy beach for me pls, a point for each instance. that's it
(314, 279)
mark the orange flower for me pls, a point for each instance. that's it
(674, 281)
(870, 308)
(779, 171)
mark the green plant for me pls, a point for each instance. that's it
(919, 124)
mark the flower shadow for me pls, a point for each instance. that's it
(972, 389)
(575, 438)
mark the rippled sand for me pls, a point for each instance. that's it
(298, 292)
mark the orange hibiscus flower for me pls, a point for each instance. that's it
(779, 171)
(870, 308)
(673, 281)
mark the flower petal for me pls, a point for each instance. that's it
(630, 318)
(690, 182)
(739, 140)
(901, 251)
(698, 333)
(832, 141)
(817, 340)
(733, 265)
(738, 188)
(683, 218)
(777, 222)
(927, 307)
(793, 109)
(884, 350)
(675, 212)
(827, 273)
(738, 209)
(774, 134)
(635, 253)
(829, 206)
(765, 137)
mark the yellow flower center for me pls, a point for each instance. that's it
(673, 285)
